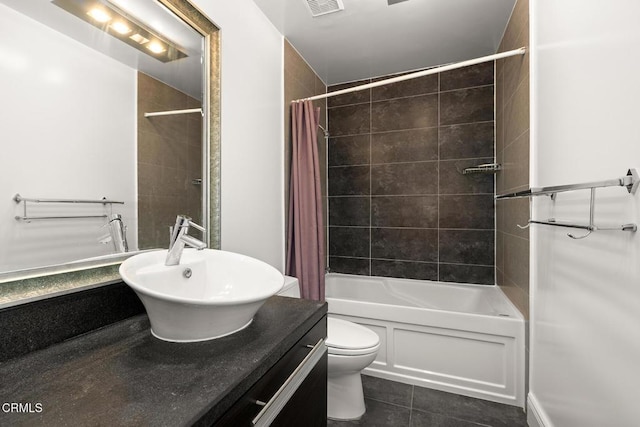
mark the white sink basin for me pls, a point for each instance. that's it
(221, 296)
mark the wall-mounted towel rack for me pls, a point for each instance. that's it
(631, 181)
(25, 200)
(173, 112)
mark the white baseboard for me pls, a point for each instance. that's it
(536, 416)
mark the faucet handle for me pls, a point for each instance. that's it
(196, 226)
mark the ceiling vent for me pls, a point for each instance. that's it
(322, 7)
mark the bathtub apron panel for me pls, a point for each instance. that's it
(474, 354)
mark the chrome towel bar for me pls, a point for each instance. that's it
(630, 181)
(36, 218)
(18, 198)
(26, 218)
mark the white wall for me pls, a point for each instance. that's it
(252, 130)
(585, 338)
(67, 121)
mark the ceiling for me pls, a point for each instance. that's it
(184, 74)
(370, 38)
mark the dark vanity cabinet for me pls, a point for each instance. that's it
(273, 372)
(292, 393)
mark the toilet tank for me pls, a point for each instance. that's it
(291, 287)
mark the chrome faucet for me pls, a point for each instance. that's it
(179, 238)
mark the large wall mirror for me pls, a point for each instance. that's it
(110, 117)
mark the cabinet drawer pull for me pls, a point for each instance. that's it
(273, 407)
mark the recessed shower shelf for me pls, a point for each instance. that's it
(631, 181)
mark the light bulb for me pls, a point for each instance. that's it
(156, 47)
(121, 28)
(99, 15)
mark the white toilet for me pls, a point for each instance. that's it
(351, 348)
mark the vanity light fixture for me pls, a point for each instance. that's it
(117, 23)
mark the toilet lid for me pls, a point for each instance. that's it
(349, 336)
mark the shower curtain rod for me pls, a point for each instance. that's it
(422, 73)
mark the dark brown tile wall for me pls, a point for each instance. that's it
(300, 81)
(169, 159)
(399, 205)
(512, 150)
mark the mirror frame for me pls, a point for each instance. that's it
(29, 285)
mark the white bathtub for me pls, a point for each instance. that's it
(465, 339)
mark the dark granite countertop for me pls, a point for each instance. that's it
(121, 375)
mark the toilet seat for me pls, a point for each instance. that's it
(350, 339)
(356, 352)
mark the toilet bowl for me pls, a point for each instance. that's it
(351, 348)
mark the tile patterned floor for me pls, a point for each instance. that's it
(395, 404)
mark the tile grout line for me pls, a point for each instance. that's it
(495, 180)
(356, 196)
(514, 140)
(436, 92)
(370, 185)
(411, 162)
(409, 261)
(386, 402)
(413, 387)
(380, 132)
(438, 201)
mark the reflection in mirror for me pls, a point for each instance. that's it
(79, 77)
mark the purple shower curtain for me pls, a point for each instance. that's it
(305, 253)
